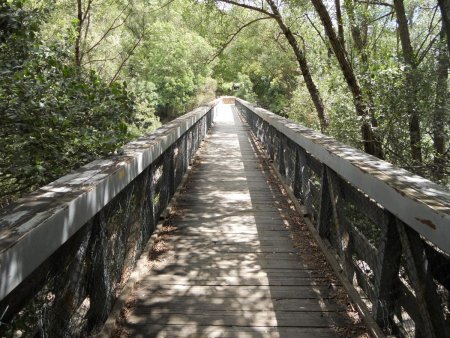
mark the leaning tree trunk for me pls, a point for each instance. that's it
(372, 143)
(444, 6)
(440, 116)
(340, 23)
(415, 137)
(79, 29)
(304, 67)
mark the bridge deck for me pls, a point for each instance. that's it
(230, 268)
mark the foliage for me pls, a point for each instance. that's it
(145, 100)
(371, 43)
(54, 117)
(145, 60)
(173, 60)
(244, 88)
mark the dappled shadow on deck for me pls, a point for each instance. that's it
(231, 269)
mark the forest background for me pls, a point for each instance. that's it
(79, 78)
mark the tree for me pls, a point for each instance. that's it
(372, 143)
(299, 54)
(441, 115)
(411, 63)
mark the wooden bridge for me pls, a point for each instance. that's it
(271, 232)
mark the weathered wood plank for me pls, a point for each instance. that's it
(231, 269)
(250, 280)
(240, 319)
(254, 293)
(220, 331)
(212, 303)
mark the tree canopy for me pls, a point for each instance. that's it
(80, 78)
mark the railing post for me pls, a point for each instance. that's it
(386, 274)
(271, 144)
(170, 166)
(326, 208)
(297, 184)
(185, 156)
(281, 148)
(433, 323)
(344, 240)
(305, 175)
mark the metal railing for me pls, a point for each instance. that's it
(67, 249)
(390, 228)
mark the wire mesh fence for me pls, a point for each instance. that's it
(402, 276)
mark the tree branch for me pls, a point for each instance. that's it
(233, 36)
(425, 52)
(163, 6)
(276, 38)
(315, 28)
(111, 28)
(381, 31)
(101, 60)
(430, 30)
(375, 3)
(254, 8)
(130, 52)
(380, 17)
(88, 8)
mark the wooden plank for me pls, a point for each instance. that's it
(250, 280)
(243, 272)
(253, 293)
(200, 239)
(216, 246)
(212, 303)
(260, 233)
(240, 204)
(202, 215)
(242, 220)
(240, 319)
(235, 264)
(220, 331)
(231, 268)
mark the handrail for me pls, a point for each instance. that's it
(389, 227)
(420, 203)
(37, 225)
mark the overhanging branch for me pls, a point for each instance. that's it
(233, 36)
(253, 8)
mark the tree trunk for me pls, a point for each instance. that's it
(359, 37)
(340, 24)
(359, 41)
(440, 116)
(372, 143)
(78, 37)
(415, 136)
(304, 67)
(444, 6)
